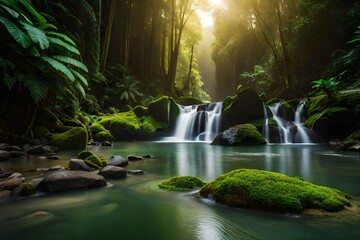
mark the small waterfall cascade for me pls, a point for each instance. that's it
(289, 131)
(198, 122)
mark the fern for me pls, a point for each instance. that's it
(40, 19)
(16, 32)
(63, 36)
(80, 77)
(60, 67)
(36, 35)
(78, 86)
(37, 89)
(71, 61)
(63, 44)
(13, 13)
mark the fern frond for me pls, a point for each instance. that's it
(13, 13)
(71, 61)
(40, 19)
(63, 36)
(80, 77)
(9, 81)
(89, 10)
(78, 86)
(37, 35)
(64, 45)
(60, 67)
(37, 89)
(16, 32)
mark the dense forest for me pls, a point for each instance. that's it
(99, 55)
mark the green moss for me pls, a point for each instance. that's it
(123, 126)
(272, 191)
(103, 163)
(74, 138)
(248, 134)
(95, 160)
(103, 136)
(91, 164)
(350, 100)
(27, 189)
(163, 109)
(150, 125)
(182, 183)
(316, 104)
(96, 128)
(125, 108)
(40, 131)
(228, 101)
(84, 154)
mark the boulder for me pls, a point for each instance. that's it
(118, 161)
(243, 134)
(164, 110)
(16, 154)
(78, 164)
(135, 158)
(39, 150)
(74, 138)
(4, 146)
(113, 172)
(4, 155)
(246, 107)
(9, 184)
(66, 180)
(24, 189)
(136, 172)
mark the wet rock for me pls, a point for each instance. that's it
(4, 146)
(53, 157)
(148, 156)
(118, 161)
(5, 174)
(24, 189)
(14, 148)
(17, 175)
(55, 168)
(40, 150)
(78, 164)
(106, 144)
(16, 154)
(66, 180)
(9, 184)
(135, 158)
(5, 194)
(4, 156)
(113, 172)
(136, 172)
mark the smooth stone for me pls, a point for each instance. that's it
(135, 158)
(78, 164)
(67, 180)
(106, 144)
(113, 172)
(10, 184)
(4, 146)
(55, 168)
(14, 148)
(118, 161)
(148, 156)
(136, 172)
(16, 154)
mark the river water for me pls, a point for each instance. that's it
(133, 208)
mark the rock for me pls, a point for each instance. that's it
(118, 161)
(16, 154)
(52, 157)
(39, 150)
(5, 174)
(74, 138)
(24, 189)
(4, 146)
(113, 172)
(4, 156)
(4, 194)
(78, 164)
(136, 172)
(148, 156)
(55, 168)
(106, 144)
(2, 171)
(66, 180)
(164, 110)
(135, 158)
(10, 184)
(243, 134)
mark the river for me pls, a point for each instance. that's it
(133, 208)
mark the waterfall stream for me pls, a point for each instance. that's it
(198, 122)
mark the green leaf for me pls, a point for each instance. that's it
(16, 32)
(124, 95)
(13, 13)
(60, 67)
(38, 90)
(71, 61)
(79, 88)
(40, 19)
(63, 36)
(64, 45)
(80, 76)
(36, 35)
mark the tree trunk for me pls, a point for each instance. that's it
(107, 38)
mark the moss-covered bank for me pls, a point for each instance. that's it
(272, 191)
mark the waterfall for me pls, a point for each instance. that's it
(198, 122)
(289, 131)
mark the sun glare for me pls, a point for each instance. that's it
(206, 16)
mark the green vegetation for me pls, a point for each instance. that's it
(94, 160)
(181, 183)
(353, 139)
(85, 154)
(74, 138)
(247, 134)
(272, 191)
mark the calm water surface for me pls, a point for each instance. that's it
(134, 208)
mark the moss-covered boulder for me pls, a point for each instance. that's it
(74, 138)
(84, 154)
(243, 134)
(100, 134)
(164, 110)
(94, 162)
(246, 107)
(140, 111)
(123, 126)
(272, 191)
(181, 183)
(151, 128)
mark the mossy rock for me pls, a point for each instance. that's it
(310, 122)
(85, 154)
(27, 189)
(150, 126)
(273, 191)
(187, 101)
(243, 134)
(140, 111)
(316, 104)
(103, 136)
(91, 164)
(46, 117)
(164, 109)
(74, 138)
(123, 126)
(40, 131)
(96, 128)
(94, 160)
(181, 183)
(353, 139)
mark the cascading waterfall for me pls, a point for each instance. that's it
(289, 131)
(198, 122)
